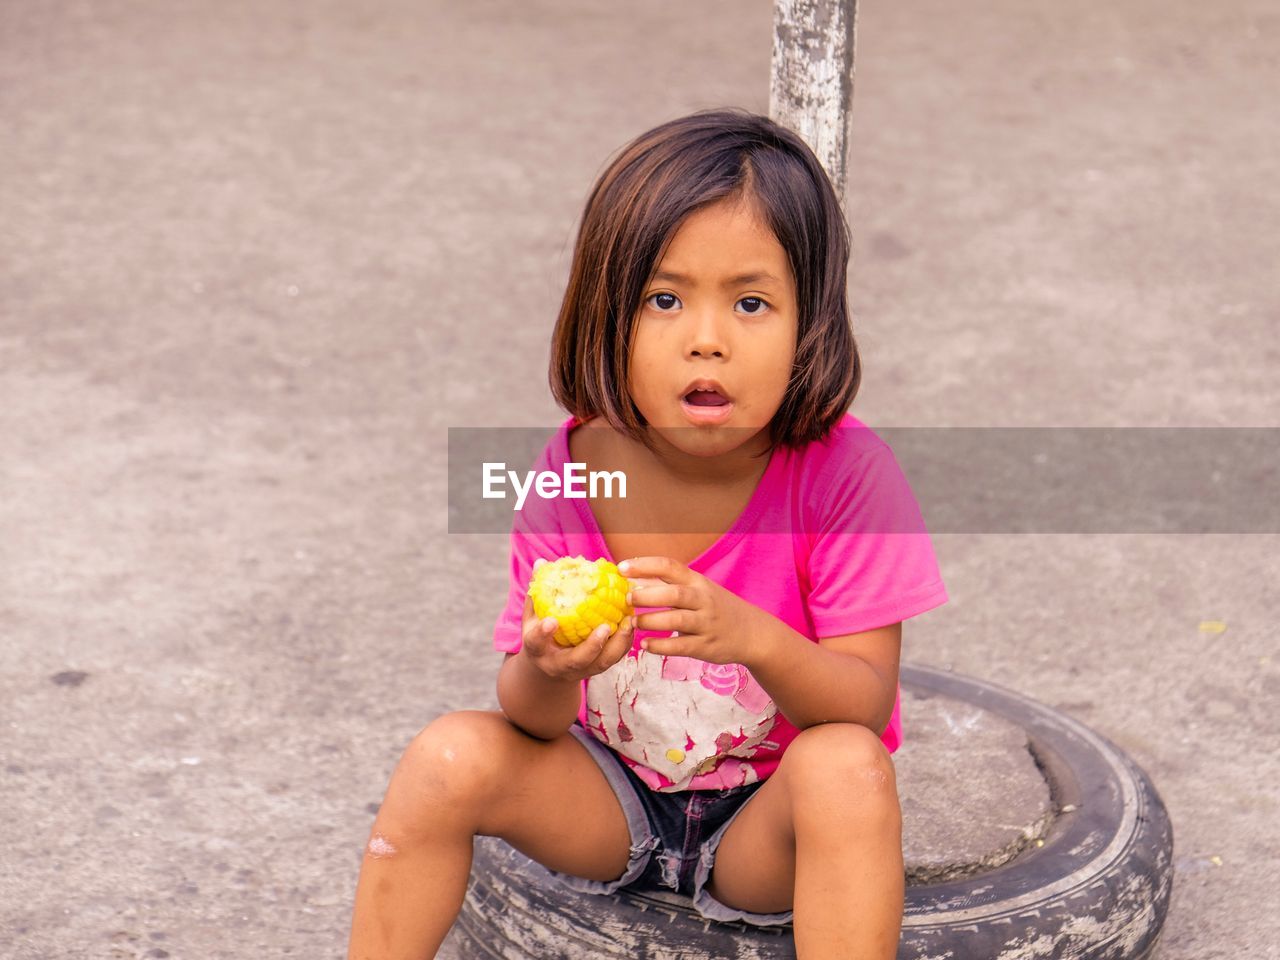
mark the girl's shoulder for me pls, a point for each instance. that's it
(591, 440)
(841, 473)
(847, 442)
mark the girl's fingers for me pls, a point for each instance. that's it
(617, 646)
(599, 651)
(677, 646)
(659, 594)
(529, 621)
(538, 633)
(665, 621)
(587, 652)
(595, 651)
(535, 643)
(664, 568)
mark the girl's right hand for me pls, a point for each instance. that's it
(596, 654)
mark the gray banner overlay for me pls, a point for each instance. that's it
(969, 479)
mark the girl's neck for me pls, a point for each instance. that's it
(744, 463)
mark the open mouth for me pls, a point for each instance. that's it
(705, 398)
(705, 405)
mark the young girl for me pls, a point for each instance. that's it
(732, 741)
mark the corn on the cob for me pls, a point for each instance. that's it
(581, 594)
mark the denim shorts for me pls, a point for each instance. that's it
(674, 837)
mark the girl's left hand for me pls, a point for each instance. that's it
(711, 623)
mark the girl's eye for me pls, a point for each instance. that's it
(664, 301)
(752, 305)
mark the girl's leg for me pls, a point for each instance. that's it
(822, 837)
(468, 774)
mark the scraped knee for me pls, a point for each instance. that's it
(841, 770)
(459, 757)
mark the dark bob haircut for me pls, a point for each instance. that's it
(634, 210)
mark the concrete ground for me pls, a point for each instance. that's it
(256, 258)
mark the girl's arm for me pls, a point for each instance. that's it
(540, 688)
(847, 679)
(540, 705)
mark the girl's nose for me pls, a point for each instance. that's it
(706, 338)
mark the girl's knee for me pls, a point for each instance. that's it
(835, 766)
(458, 757)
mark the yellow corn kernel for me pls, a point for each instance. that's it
(581, 594)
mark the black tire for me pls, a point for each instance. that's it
(1098, 889)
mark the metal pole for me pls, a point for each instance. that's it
(811, 88)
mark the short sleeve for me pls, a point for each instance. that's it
(529, 541)
(871, 560)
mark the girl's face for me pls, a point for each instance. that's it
(720, 308)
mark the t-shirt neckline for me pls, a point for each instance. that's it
(744, 522)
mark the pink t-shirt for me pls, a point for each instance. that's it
(832, 542)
